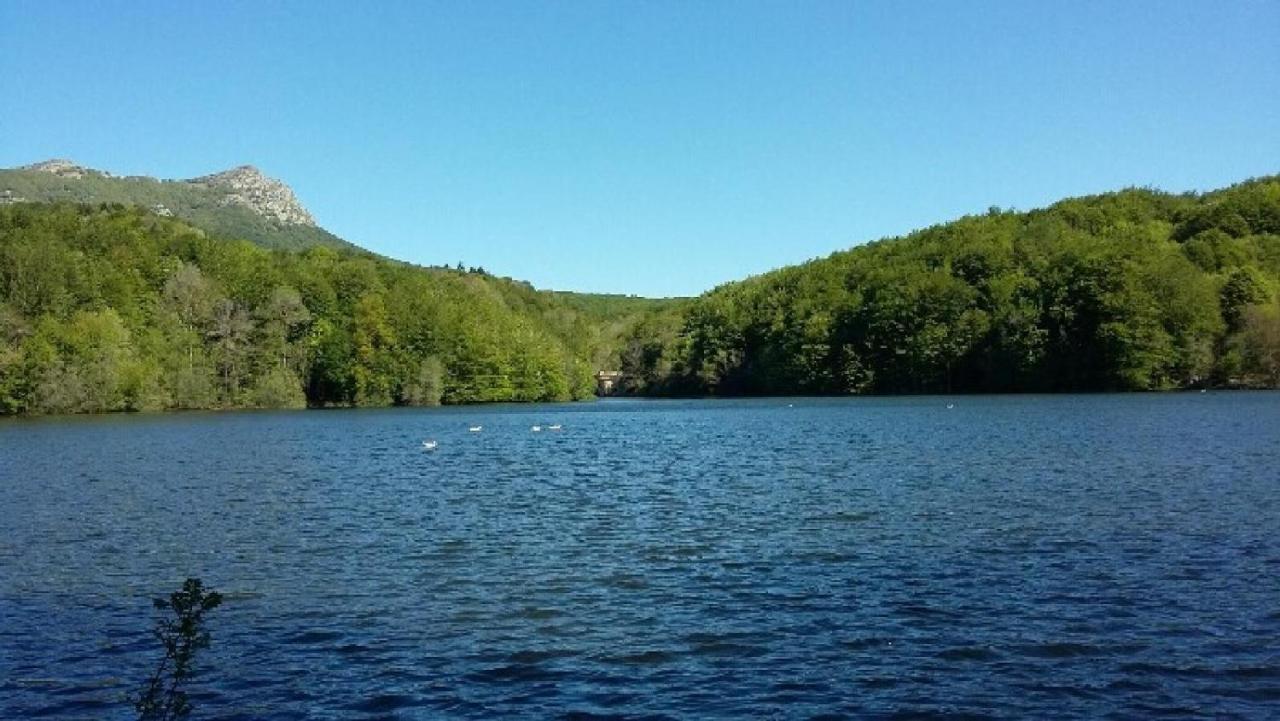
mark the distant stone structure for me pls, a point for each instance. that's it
(607, 382)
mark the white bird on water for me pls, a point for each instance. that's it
(475, 429)
(429, 445)
(556, 427)
(535, 429)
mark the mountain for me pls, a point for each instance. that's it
(247, 187)
(237, 203)
(1131, 290)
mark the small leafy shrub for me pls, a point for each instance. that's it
(181, 635)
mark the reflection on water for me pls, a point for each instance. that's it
(1018, 557)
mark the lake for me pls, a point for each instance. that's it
(962, 557)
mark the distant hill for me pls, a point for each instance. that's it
(1132, 290)
(243, 203)
(237, 203)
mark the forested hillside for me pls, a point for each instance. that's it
(1134, 290)
(111, 307)
(107, 308)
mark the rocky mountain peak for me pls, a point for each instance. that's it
(62, 168)
(247, 186)
(238, 174)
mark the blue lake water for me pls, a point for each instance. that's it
(1111, 556)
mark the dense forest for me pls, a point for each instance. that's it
(1134, 290)
(111, 307)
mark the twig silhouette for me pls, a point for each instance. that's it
(163, 698)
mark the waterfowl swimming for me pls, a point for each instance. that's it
(429, 445)
(475, 429)
(535, 429)
(556, 427)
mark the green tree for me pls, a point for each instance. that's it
(283, 320)
(230, 331)
(1260, 344)
(375, 364)
(1243, 287)
(426, 386)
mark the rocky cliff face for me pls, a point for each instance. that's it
(244, 186)
(63, 169)
(247, 186)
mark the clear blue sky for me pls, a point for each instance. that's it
(654, 148)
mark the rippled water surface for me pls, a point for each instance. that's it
(1012, 557)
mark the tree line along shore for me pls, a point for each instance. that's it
(113, 307)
